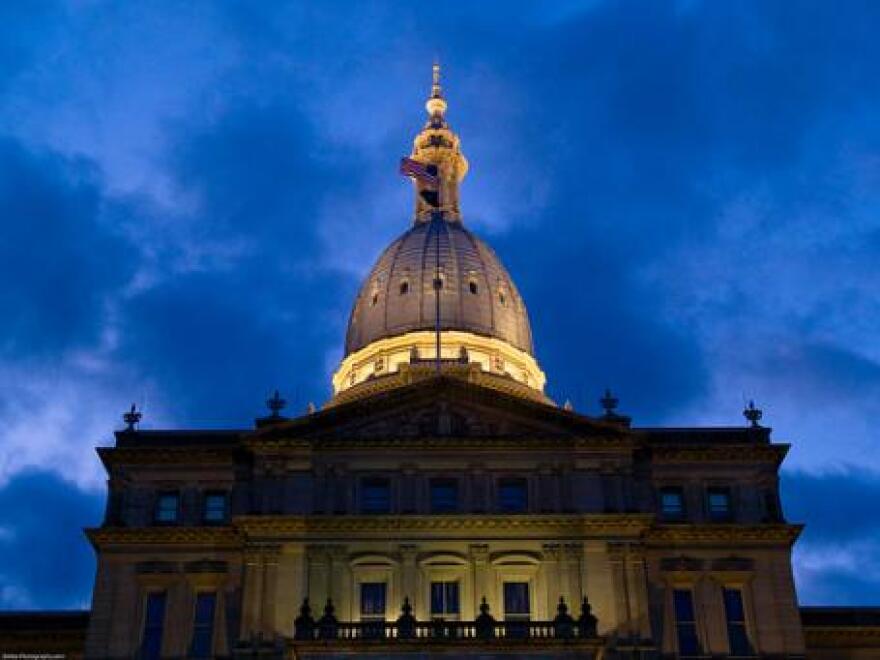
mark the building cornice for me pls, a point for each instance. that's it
(482, 526)
(727, 453)
(727, 534)
(103, 538)
(489, 443)
(111, 456)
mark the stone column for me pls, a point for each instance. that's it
(409, 587)
(270, 588)
(318, 571)
(292, 587)
(637, 586)
(480, 559)
(252, 591)
(622, 598)
(550, 566)
(570, 575)
(340, 582)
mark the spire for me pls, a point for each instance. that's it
(436, 105)
(436, 164)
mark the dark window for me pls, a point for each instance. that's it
(154, 620)
(513, 495)
(444, 496)
(473, 287)
(203, 626)
(375, 496)
(215, 507)
(501, 298)
(736, 623)
(719, 504)
(685, 623)
(516, 600)
(404, 288)
(374, 300)
(373, 601)
(444, 598)
(672, 503)
(438, 283)
(167, 507)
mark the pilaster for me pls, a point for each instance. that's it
(480, 559)
(252, 591)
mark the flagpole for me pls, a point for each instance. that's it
(438, 218)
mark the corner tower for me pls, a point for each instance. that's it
(438, 300)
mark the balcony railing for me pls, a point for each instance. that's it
(407, 627)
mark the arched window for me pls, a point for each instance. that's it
(374, 300)
(501, 297)
(404, 288)
(473, 287)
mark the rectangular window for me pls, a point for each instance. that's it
(719, 504)
(513, 495)
(167, 507)
(685, 622)
(373, 601)
(672, 504)
(444, 598)
(375, 496)
(516, 601)
(216, 507)
(203, 626)
(444, 496)
(154, 621)
(735, 613)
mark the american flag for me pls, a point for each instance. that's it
(415, 169)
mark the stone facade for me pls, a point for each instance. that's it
(590, 522)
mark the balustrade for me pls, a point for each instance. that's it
(407, 627)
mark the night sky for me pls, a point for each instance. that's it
(686, 193)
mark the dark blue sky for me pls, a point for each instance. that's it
(686, 193)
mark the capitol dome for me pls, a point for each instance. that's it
(438, 300)
(476, 292)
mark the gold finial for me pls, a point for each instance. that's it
(436, 106)
(436, 92)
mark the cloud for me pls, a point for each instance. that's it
(33, 573)
(58, 262)
(835, 560)
(685, 193)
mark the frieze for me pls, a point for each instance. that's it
(733, 564)
(197, 456)
(681, 564)
(732, 534)
(708, 453)
(214, 536)
(524, 441)
(206, 566)
(534, 526)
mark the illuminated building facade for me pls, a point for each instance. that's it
(441, 504)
